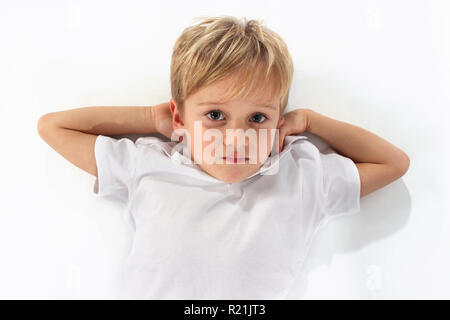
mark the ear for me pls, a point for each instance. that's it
(177, 122)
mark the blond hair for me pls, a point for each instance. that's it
(217, 47)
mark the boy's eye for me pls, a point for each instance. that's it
(215, 114)
(258, 118)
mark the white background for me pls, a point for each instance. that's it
(381, 65)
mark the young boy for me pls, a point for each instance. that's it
(223, 220)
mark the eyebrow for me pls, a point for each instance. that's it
(269, 106)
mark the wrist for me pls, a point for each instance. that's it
(151, 118)
(308, 114)
(161, 118)
(314, 122)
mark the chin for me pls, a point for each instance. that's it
(233, 175)
(233, 179)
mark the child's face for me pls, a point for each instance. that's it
(212, 130)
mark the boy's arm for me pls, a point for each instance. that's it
(72, 133)
(378, 161)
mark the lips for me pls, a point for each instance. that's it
(235, 159)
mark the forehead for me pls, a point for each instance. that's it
(217, 91)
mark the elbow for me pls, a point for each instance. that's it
(402, 164)
(44, 123)
(41, 124)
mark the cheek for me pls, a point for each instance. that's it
(266, 138)
(198, 145)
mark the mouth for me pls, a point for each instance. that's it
(235, 159)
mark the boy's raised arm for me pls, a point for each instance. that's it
(378, 161)
(72, 133)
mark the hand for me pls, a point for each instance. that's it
(295, 122)
(163, 119)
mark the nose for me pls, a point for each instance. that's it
(238, 134)
(236, 140)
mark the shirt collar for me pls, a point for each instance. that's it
(175, 151)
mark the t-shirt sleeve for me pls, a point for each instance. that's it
(115, 160)
(340, 184)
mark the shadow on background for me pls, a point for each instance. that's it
(383, 213)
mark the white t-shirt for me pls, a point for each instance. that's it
(197, 237)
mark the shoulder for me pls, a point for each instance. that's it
(155, 153)
(163, 146)
(124, 144)
(303, 146)
(314, 152)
